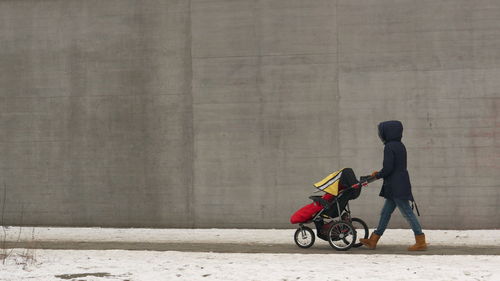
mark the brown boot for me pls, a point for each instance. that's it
(420, 244)
(371, 242)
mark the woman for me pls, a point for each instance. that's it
(396, 188)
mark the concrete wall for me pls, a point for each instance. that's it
(96, 112)
(222, 113)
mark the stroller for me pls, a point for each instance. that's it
(330, 213)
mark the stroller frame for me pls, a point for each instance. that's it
(341, 234)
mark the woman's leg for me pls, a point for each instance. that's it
(407, 212)
(385, 216)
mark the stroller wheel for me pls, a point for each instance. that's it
(341, 236)
(304, 237)
(361, 231)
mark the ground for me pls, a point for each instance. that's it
(245, 255)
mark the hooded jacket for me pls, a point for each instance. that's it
(394, 172)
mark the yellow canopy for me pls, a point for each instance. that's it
(330, 184)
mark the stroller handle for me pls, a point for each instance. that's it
(364, 181)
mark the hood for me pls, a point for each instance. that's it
(390, 131)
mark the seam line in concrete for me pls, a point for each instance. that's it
(191, 194)
(267, 55)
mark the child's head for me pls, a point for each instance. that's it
(390, 131)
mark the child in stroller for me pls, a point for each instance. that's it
(331, 214)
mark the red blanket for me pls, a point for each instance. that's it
(307, 212)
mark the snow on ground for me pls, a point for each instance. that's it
(259, 236)
(157, 266)
(114, 265)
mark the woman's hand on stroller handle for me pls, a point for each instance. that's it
(367, 179)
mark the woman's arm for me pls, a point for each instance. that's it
(388, 164)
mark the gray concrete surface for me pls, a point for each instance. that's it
(222, 113)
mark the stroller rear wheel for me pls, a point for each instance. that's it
(304, 237)
(361, 231)
(341, 236)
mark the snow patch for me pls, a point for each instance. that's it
(150, 265)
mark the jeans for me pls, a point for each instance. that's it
(406, 211)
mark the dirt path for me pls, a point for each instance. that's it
(254, 248)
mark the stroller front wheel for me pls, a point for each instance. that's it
(304, 237)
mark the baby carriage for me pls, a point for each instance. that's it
(330, 213)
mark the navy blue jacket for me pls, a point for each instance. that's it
(396, 178)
